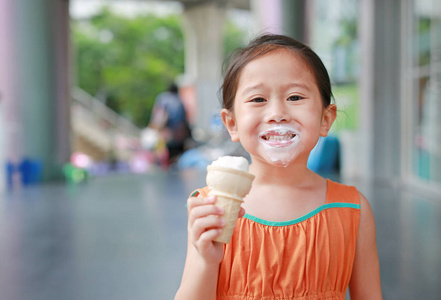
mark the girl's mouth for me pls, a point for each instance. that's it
(279, 137)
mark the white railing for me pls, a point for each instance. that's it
(101, 125)
(103, 114)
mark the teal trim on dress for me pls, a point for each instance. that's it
(305, 217)
(195, 193)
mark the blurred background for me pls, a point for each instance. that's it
(92, 194)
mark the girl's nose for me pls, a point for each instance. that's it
(277, 113)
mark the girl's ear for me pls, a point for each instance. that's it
(328, 118)
(230, 123)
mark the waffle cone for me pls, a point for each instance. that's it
(231, 206)
(229, 186)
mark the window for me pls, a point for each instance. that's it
(424, 92)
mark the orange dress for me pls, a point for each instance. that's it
(310, 257)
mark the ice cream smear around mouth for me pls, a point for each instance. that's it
(279, 136)
(279, 143)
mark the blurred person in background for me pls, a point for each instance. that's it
(169, 118)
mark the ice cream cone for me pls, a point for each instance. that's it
(231, 208)
(229, 186)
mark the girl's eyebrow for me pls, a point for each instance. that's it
(251, 88)
(297, 85)
(287, 86)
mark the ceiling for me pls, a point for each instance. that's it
(239, 4)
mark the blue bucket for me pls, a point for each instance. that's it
(31, 171)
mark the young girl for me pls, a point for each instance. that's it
(302, 237)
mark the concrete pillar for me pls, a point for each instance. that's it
(203, 31)
(34, 81)
(294, 14)
(9, 77)
(286, 17)
(2, 146)
(268, 16)
(60, 30)
(10, 118)
(380, 89)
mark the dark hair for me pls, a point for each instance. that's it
(262, 45)
(173, 88)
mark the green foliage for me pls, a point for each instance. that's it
(128, 60)
(423, 45)
(234, 38)
(348, 28)
(346, 99)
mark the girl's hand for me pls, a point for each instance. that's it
(205, 223)
(203, 254)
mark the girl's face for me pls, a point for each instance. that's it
(278, 114)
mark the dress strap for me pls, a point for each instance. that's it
(203, 192)
(337, 192)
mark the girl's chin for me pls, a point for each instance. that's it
(281, 162)
(280, 157)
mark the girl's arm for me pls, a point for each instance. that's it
(199, 280)
(201, 270)
(365, 279)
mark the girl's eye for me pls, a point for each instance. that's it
(295, 98)
(258, 100)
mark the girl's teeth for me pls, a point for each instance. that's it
(279, 138)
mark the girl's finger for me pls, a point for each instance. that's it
(208, 236)
(201, 225)
(203, 211)
(198, 201)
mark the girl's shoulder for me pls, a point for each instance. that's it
(338, 192)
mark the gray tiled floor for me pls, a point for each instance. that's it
(124, 237)
(409, 241)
